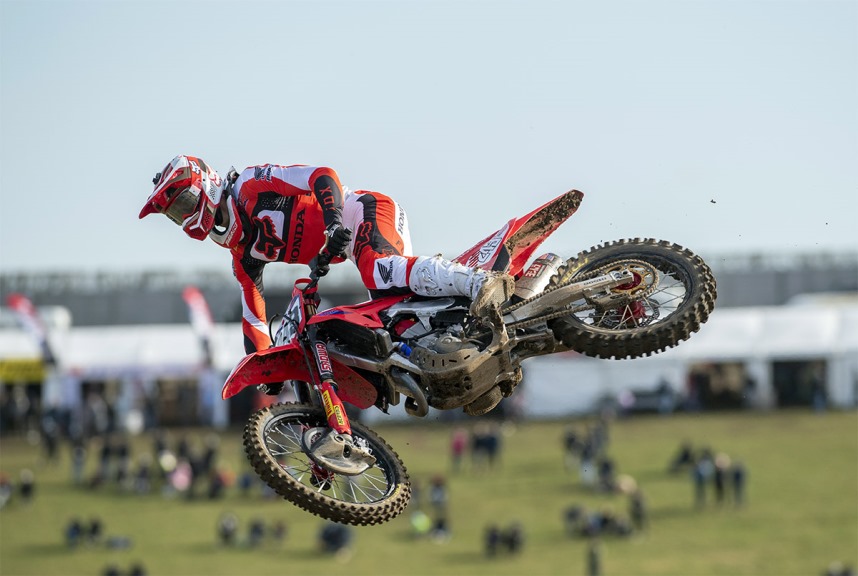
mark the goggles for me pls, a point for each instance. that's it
(184, 204)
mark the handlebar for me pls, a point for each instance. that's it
(320, 266)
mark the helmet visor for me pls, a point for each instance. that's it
(183, 205)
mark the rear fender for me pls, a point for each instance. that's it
(509, 249)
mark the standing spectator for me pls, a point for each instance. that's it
(182, 478)
(817, 385)
(637, 510)
(458, 446)
(719, 476)
(493, 444)
(572, 519)
(50, 430)
(74, 533)
(255, 533)
(493, 538)
(438, 496)
(438, 501)
(27, 486)
(105, 458)
(227, 528)
(571, 448)
(278, 532)
(95, 531)
(665, 397)
(78, 461)
(701, 473)
(208, 460)
(479, 453)
(122, 454)
(738, 477)
(607, 481)
(6, 490)
(594, 559)
(336, 539)
(513, 538)
(143, 475)
(245, 482)
(217, 484)
(588, 463)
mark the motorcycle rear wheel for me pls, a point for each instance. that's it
(682, 302)
(272, 441)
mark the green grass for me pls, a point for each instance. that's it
(801, 513)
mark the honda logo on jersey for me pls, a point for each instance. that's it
(385, 272)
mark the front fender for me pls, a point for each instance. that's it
(288, 363)
(271, 365)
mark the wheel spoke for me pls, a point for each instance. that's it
(283, 442)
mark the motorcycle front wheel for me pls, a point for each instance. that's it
(673, 294)
(272, 441)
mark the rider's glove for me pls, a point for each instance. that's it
(338, 240)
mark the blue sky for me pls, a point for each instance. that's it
(726, 126)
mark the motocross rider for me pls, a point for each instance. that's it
(272, 213)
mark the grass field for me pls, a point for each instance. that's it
(801, 512)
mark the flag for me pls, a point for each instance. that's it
(30, 321)
(201, 319)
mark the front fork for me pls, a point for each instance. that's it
(334, 450)
(327, 387)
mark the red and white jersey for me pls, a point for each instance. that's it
(284, 213)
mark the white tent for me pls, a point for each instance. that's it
(755, 337)
(554, 385)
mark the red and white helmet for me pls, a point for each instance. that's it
(188, 192)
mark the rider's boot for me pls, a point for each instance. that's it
(436, 276)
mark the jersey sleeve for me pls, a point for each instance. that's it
(254, 323)
(329, 193)
(322, 182)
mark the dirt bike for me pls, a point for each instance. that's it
(623, 299)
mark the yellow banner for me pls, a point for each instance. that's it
(13, 370)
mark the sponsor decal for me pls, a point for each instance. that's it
(400, 222)
(534, 270)
(322, 356)
(489, 250)
(328, 403)
(332, 409)
(338, 414)
(386, 272)
(262, 172)
(297, 236)
(362, 239)
(268, 244)
(326, 197)
(331, 312)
